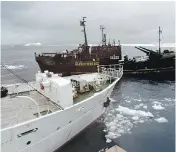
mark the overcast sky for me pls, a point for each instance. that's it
(58, 22)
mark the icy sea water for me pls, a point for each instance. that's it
(140, 118)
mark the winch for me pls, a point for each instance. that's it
(4, 92)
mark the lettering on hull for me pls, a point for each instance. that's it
(86, 63)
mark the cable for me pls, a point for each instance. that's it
(25, 81)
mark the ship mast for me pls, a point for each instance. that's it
(119, 42)
(82, 23)
(114, 42)
(103, 35)
(159, 40)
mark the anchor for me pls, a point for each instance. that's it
(106, 104)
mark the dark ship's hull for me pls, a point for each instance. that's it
(160, 66)
(69, 64)
(73, 69)
(156, 73)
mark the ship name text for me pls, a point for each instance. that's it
(86, 63)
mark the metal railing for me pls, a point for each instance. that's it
(111, 71)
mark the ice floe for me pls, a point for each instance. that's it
(127, 111)
(156, 102)
(128, 101)
(158, 107)
(139, 100)
(138, 106)
(135, 118)
(161, 120)
(145, 106)
(117, 126)
(108, 140)
(111, 135)
(141, 121)
(109, 114)
(13, 67)
(123, 121)
(167, 99)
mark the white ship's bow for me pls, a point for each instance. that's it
(49, 132)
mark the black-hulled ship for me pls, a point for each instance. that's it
(84, 59)
(157, 63)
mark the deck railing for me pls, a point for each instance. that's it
(111, 71)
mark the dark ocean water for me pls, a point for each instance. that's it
(119, 125)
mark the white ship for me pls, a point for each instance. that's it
(42, 116)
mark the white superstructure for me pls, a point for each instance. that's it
(43, 122)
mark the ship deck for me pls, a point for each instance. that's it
(90, 78)
(15, 110)
(83, 96)
(17, 107)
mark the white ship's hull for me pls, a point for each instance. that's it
(50, 132)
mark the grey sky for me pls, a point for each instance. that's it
(58, 22)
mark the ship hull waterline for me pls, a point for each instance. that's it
(158, 73)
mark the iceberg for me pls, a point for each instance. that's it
(33, 44)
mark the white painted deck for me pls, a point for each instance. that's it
(15, 110)
(90, 77)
